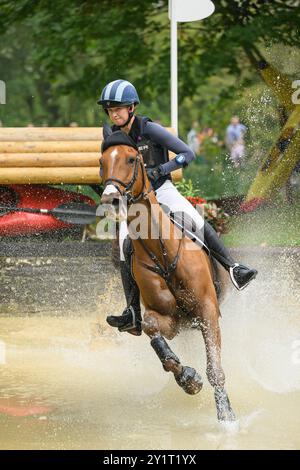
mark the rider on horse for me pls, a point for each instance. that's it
(119, 100)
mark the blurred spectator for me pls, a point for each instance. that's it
(235, 133)
(213, 136)
(210, 135)
(209, 143)
(193, 140)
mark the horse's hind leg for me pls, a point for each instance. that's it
(157, 326)
(212, 337)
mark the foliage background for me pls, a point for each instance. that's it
(55, 57)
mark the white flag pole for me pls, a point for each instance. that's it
(183, 10)
(174, 74)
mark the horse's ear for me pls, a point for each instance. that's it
(106, 131)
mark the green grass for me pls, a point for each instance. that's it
(265, 227)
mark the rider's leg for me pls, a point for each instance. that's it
(131, 317)
(240, 275)
(168, 195)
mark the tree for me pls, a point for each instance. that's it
(72, 48)
(102, 39)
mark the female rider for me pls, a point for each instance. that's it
(119, 100)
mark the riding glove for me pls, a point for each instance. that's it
(155, 173)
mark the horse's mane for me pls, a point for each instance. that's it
(117, 138)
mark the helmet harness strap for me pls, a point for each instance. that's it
(130, 114)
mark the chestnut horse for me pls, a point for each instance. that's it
(174, 275)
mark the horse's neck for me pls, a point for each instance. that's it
(158, 226)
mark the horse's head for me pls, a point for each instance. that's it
(122, 169)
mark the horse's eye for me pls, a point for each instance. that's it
(131, 160)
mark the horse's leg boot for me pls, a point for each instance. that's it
(163, 350)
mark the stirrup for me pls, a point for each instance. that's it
(232, 276)
(134, 323)
(234, 282)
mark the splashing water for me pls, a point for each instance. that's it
(97, 388)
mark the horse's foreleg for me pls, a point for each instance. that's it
(212, 337)
(155, 326)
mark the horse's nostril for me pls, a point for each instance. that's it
(115, 202)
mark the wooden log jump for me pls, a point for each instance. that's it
(13, 134)
(36, 160)
(50, 146)
(56, 155)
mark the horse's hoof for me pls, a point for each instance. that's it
(189, 380)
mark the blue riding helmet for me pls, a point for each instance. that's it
(118, 92)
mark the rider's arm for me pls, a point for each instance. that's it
(161, 136)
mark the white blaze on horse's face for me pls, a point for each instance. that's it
(119, 171)
(110, 190)
(116, 203)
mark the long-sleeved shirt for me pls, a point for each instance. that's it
(161, 136)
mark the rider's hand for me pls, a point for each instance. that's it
(154, 173)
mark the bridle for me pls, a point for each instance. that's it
(127, 186)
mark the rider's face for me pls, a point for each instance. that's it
(119, 115)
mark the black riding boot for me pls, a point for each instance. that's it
(240, 275)
(131, 317)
